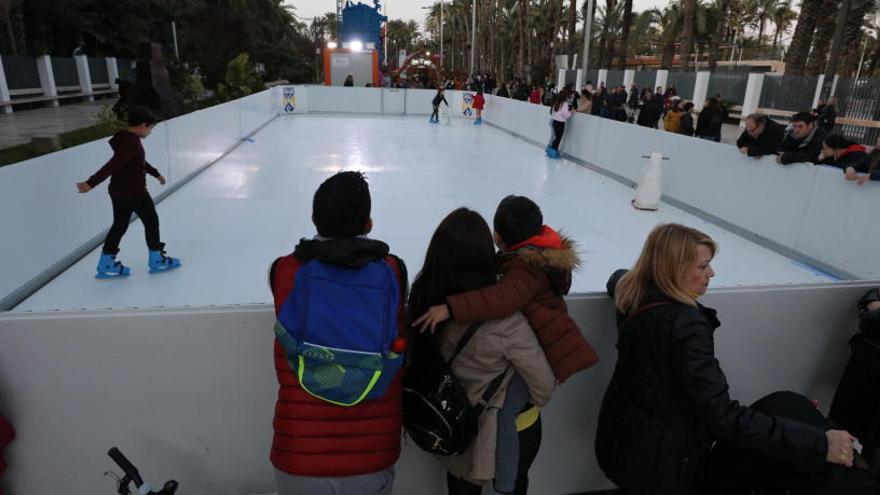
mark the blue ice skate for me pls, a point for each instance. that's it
(553, 153)
(161, 263)
(108, 267)
(479, 121)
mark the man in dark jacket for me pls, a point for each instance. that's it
(803, 143)
(826, 115)
(686, 124)
(650, 111)
(761, 137)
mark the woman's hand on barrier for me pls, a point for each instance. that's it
(840, 447)
(433, 317)
(161, 179)
(83, 187)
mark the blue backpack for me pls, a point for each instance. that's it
(337, 327)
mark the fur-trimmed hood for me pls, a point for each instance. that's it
(564, 259)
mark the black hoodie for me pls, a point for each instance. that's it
(127, 168)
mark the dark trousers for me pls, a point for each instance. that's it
(436, 112)
(122, 210)
(529, 443)
(558, 130)
(737, 471)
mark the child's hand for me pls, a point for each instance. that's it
(432, 318)
(83, 187)
(161, 179)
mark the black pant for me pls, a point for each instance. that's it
(122, 210)
(436, 112)
(736, 471)
(529, 443)
(558, 129)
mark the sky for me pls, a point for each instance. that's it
(412, 9)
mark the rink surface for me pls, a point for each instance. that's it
(230, 222)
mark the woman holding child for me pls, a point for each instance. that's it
(460, 258)
(535, 264)
(667, 424)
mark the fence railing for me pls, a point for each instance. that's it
(779, 96)
(49, 79)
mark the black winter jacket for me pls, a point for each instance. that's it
(650, 113)
(804, 150)
(668, 402)
(765, 144)
(708, 123)
(686, 125)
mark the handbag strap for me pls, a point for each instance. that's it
(465, 338)
(494, 385)
(641, 310)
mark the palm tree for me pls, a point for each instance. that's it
(686, 46)
(624, 36)
(802, 39)
(822, 40)
(715, 44)
(572, 28)
(783, 16)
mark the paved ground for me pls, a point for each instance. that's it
(19, 127)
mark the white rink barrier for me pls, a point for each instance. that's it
(189, 393)
(808, 211)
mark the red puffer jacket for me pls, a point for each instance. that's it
(316, 438)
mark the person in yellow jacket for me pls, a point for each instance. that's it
(672, 121)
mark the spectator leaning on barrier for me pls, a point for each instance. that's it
(803, 143)
(867, 169)
(839, 152)
(761, 137)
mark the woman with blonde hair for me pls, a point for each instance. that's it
(668, 402)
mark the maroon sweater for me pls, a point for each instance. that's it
(127, 168)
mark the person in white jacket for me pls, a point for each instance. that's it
(559, 113)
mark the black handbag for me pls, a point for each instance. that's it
(436, 412)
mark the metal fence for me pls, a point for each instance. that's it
(592, 77)
(858, 99)
(64, 69)
(683, 82)
(125, 67)
(98, 70)
(615, 78)
(645, 78)
(21, 72)
(731, 86)
(789, 93)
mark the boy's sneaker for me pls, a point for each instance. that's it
(161, 263)
(108, 267)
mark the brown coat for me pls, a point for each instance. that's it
(534, 281)
(510, 345)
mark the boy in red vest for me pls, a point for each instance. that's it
(320, 448)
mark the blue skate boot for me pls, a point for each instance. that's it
(553, 153)
(478, 121)
(161, 263)
(108, 267)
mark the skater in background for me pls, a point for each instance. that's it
(127, 170)
(560, 113)
(438, 98)
(479, 104)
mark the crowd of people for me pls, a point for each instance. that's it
(490, 327)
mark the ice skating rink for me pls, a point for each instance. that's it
(230, 222)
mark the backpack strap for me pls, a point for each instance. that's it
(643, 309)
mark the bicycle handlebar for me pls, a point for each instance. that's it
(126, 466)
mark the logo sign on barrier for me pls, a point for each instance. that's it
(288, 102)
(467, 104)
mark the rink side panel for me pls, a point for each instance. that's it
(189, 393)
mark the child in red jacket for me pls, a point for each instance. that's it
(479, 103)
